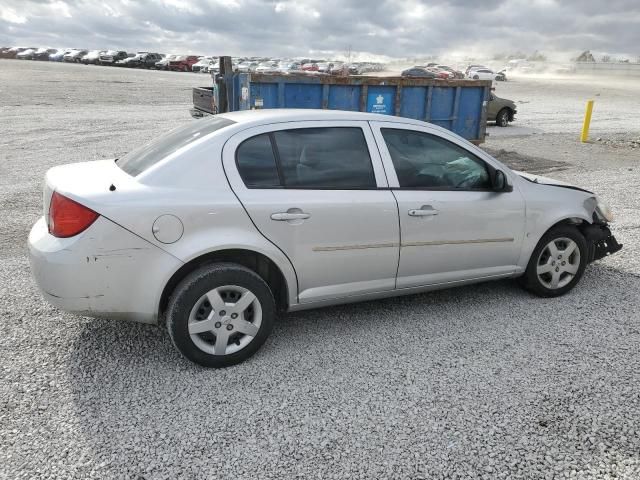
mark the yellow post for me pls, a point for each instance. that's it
(587, 120)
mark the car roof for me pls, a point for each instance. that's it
(278, 115)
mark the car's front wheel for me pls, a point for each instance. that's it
(220, 315)
(502, 119)
(557, 263)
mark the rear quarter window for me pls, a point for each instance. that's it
(257, 163)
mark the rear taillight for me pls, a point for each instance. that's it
(68, 218)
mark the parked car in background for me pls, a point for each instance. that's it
(485, 74)
(11, 52)
(267, 67)
(246, 67)
(474, 67)
(59, 55)
(501, 76)
(339, 68)
(43, 53)
(110, 57)
(26, 54)
(500, 110)
(163, 64)
(123, 62)
(354, 69)
(325, 67)
(418, 72)
(75, 56)
(355, 206)
(183, 63)
(441, 74)
(455, 73)
(310, 67)
(92, 58)
(287, 67)
(203, 65)
(142, 60)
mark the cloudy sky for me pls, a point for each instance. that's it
(394, 28)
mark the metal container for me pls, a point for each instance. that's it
(457, 105)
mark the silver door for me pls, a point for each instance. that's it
(449, 234)
(341, 242)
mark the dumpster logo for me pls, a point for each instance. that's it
(380, 103)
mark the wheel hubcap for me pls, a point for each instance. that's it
(558, 263)
(225, 320)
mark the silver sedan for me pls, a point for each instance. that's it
(220, 225)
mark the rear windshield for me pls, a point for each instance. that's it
(140, 159)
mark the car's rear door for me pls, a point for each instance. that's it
(454, 226)
(317, 190)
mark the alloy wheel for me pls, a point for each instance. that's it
(558, 263)
(225, 320)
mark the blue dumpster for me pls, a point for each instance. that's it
(457, 105)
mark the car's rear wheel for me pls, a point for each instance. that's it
(220, 315)
(502, 119)
(476, 77)
(557, 263)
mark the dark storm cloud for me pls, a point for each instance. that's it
(397, 28)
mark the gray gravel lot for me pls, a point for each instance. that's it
(484, 381)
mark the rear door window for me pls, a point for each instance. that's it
(324, 158)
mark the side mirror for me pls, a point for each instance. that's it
(500, 183)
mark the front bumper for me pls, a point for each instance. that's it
(106, 271)
(601, 241)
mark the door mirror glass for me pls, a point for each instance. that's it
(500, 183)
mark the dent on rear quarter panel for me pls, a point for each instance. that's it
(105, 271)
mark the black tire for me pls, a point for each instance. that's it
(191, 289)
(531, 281)
(502, 119)
(476, 77)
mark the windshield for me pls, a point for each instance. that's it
(140, 159)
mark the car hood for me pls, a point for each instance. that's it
(503, 100)
(539, 179)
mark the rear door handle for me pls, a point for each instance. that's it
(424, 211)
(285, 216)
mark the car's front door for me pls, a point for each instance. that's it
(317, 190)
(454, 226)
(492, 109)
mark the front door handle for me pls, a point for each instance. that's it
(286, 216)
(424, 211)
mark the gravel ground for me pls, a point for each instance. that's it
(484, 381)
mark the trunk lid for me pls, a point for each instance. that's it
(87, 183)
